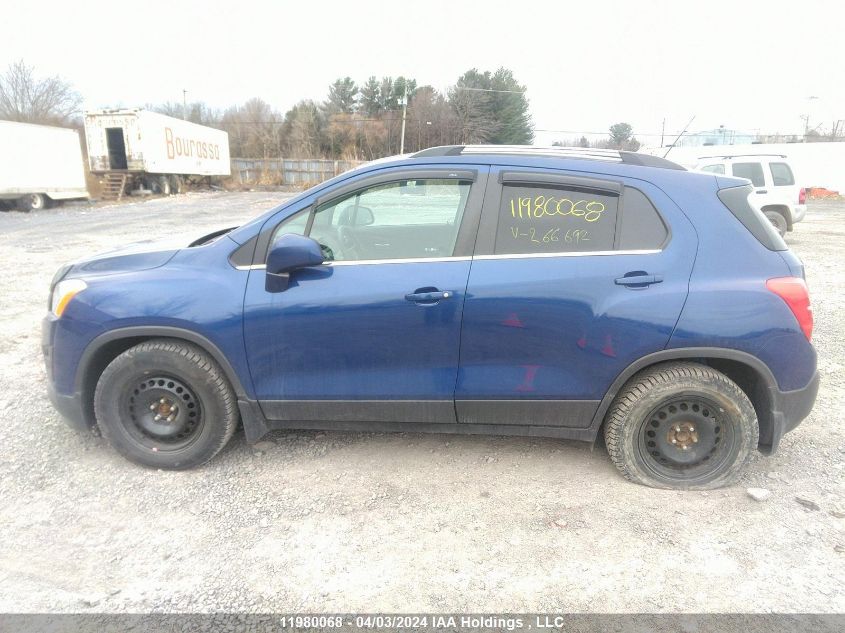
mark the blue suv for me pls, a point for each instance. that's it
(465, 289)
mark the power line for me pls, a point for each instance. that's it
(517, 92)
(391, 119)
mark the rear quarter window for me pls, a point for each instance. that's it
(781, 174)
(736, 200)
(641, 227)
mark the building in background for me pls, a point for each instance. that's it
(717, 136)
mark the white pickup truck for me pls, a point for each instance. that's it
(39, 164)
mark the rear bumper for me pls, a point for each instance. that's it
(798, 212)
(789, 408)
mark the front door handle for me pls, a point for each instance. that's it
(428, 296)
(639, 280)
(762, 191)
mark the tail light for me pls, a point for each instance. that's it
(802, 196)
(793, 290)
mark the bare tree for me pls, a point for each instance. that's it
(254, 129)
(29, 99)
(197, 112)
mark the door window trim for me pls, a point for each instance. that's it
(649, 251)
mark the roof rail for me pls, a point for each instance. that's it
(588, 153)
(739, 156)
(442, 150)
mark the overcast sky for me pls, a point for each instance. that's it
(586, 65)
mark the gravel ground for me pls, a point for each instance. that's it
(393, 522)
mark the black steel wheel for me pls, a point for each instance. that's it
(165, 403)
(685, 438)
(681, 425)
(164, 412)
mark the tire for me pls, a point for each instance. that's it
(778, 221)
(711, 420)
(160, 185)
(182, 385)
(32, 202)
(175, 184)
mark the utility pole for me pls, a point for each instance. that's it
(807, 118)
(404, 113)
(662, 130)
(185, 104)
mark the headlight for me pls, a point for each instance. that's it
(63, 292)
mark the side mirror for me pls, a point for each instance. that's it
(289, 253)
(355, 216)
(364, 216)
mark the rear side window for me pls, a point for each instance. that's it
(641, 227)
(752, 171)
(554, 219)
(714, 169)
(781, 174)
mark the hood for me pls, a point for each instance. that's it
(143, 255)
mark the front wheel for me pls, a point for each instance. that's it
(165, 404)
(681, 425)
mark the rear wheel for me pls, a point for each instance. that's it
(32, 202)
(163, 185)
(681, 425)
(778, 221)
(176, 184)
(165, 404)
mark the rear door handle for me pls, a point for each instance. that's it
(432, 296)
(638, 280)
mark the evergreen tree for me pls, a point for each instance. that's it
(370, 100)
(509, 108)
(491, 108)
(342, 95)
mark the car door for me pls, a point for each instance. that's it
(575, 277)
(374, 333)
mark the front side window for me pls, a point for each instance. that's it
(752, 171)
(552, 219)
(714, 169)
(781, 175)
(409, 219)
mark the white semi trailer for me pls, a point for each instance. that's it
(144, 149)
(39, 164)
